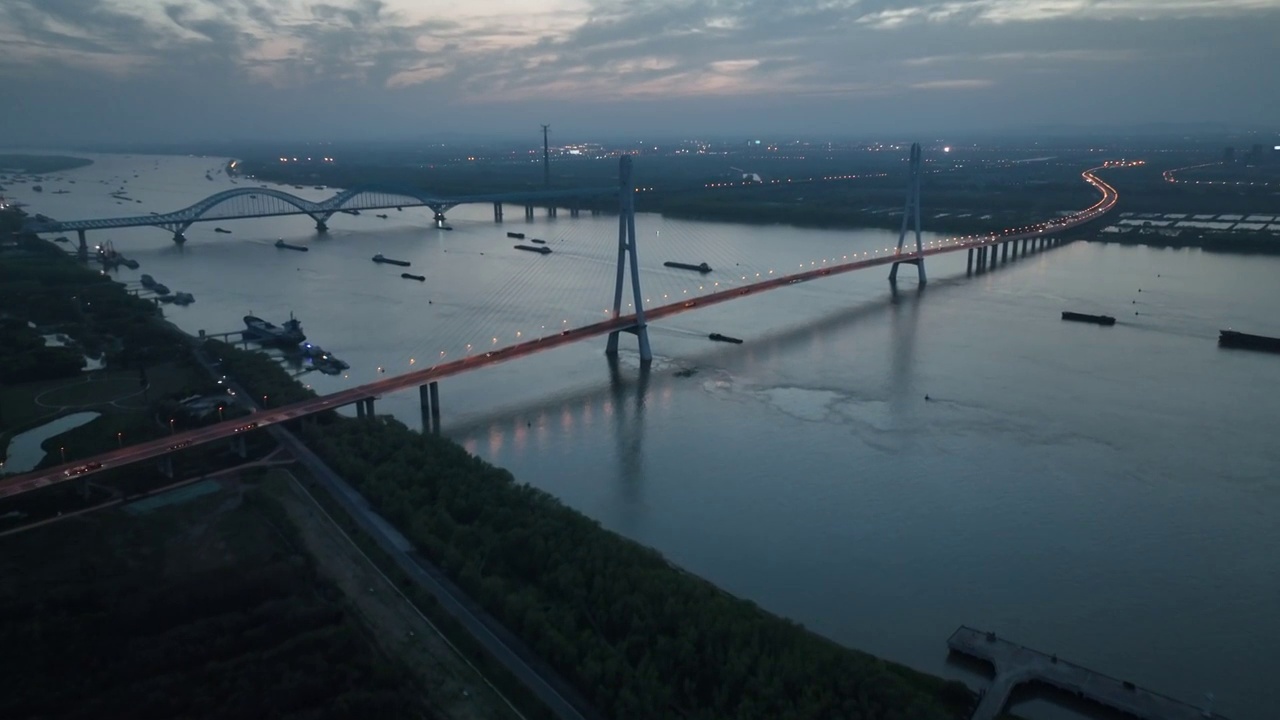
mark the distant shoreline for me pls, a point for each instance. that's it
(40, 164)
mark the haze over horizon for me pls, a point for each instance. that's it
(140, 71)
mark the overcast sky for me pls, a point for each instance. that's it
(139, 70)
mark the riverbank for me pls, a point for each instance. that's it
(635, 634)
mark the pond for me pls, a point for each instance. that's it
(24, 449)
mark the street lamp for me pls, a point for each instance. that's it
(219, 413)
(120, 439)
(171, 420)
(264, 401)
(63, 450)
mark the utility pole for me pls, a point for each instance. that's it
(546, 158)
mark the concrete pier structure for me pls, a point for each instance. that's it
(429, 399)
(528, 212)
(1015, 664)
(497, 212)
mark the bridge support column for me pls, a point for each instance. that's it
(321, 226)
(439, 218)
(995, 255)
(551, 211)
(238, 446)
(497, 212)
(1004, 252)
(528, 212)
(166, 466)
(911, 210)
(178, 237)
(627, 252)
(82, 250)
(360, 409)
(429, 398)
(969, 267)
(573, 212)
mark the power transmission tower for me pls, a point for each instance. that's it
(546, 158)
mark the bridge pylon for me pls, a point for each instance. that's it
(627, 252)
(911, 210)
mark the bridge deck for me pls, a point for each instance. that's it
(45, 477)
(1016, 664)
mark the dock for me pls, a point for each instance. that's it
(1015, 664)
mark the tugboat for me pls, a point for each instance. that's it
(543, 249)
(268, 334)
(224, 231)
(286, 246)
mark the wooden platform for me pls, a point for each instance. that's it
(1015, 664)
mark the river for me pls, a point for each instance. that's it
(1109, 494)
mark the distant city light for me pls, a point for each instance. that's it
(946, 149)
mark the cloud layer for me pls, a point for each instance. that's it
(245, 67)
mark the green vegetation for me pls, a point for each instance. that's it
(640, 638)
(40, 164)
(203, 610)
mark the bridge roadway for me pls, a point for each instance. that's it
(154, 449)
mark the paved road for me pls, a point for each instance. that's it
(500, 643)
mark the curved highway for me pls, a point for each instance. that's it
(224, 430)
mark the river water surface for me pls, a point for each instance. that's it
(1107, 494)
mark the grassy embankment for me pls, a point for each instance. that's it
(639, 637)
(208, 609)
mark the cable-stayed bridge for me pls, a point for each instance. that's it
(675, 294)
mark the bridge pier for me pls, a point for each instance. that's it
(551, 211)
(497, 212)
(82, 251)
(439, 218)
(573, 212)
(995, 256)
(166, 466)
(321, 226)
(969, 268)
(364, 408)
(178, 237)
(238, 446)
(528, 212)
(911, 210)
(1004, 252)
(429, 398)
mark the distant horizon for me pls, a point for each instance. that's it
(1187, 133)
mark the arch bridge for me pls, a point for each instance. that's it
(259, 202)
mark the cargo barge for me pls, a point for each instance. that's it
(379, 258)
(543, 249)
(411, 276)
(1233, 339)
(287, 246)
(702, 268)
(725, 338)
(1082, 317)
(516, 235)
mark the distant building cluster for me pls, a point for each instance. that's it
(1259, 154)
